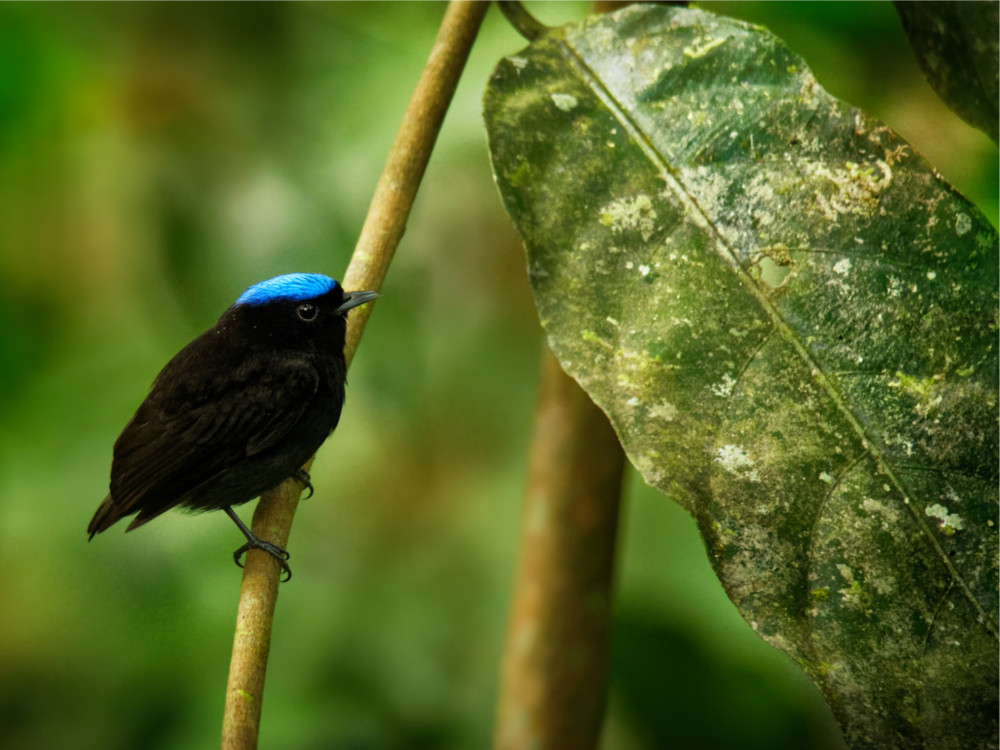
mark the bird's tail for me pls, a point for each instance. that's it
(105, 516)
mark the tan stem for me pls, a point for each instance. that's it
(408, 157)
(556, 656)
(380, 235)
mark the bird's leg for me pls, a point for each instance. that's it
(278, 553)
(303, 476)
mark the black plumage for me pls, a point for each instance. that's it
(239, 409)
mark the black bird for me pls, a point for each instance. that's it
(238, 410)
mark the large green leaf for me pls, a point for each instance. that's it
(791, 321)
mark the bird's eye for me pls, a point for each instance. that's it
(307, 312)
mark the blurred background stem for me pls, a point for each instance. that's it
(555, 663)
(380, 235)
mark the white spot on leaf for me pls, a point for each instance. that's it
(664, 410)
(724, 388)
(948, 522)
(842, 267)
(736, 460)
(565, 102)
(630, 214)
(895, 287)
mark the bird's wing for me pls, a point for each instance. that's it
(181, 438)
(254, 413)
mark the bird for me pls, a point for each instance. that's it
(238, 410)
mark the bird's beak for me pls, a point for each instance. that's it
(353, 299)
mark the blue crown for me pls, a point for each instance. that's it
(291, 286)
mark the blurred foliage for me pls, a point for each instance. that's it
(957, 47)
(156, 159)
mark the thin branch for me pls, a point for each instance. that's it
(380, 235)
(523, 22)
(556, 657)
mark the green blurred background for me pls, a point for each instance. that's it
(155, 160)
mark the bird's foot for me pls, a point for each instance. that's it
(278, 553)
(303, 476)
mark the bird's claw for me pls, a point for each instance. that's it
(278, 553)
(303, 476)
